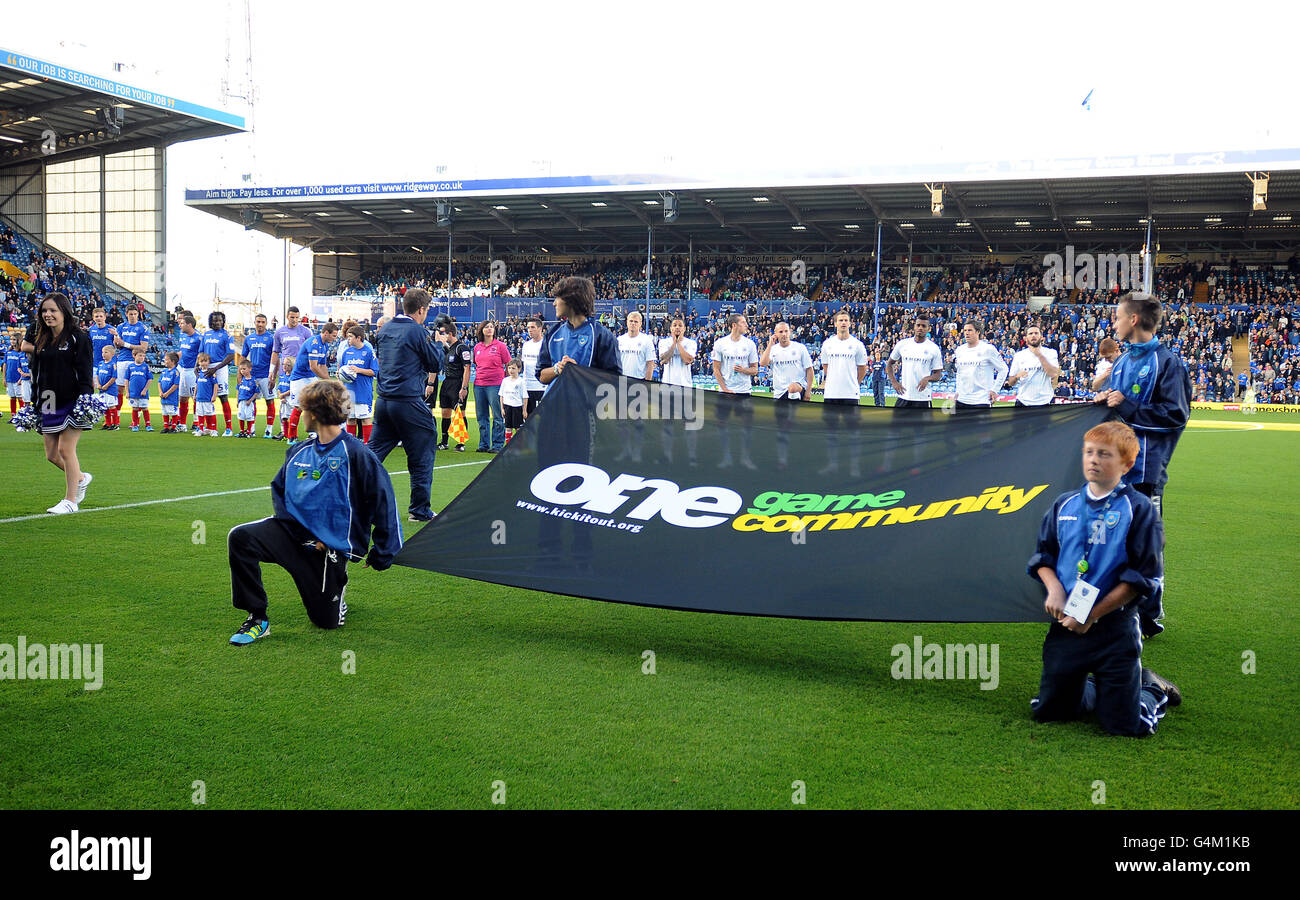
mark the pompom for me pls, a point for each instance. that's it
(88, 410)
(26, 418)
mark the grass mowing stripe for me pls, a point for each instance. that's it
(251, 490)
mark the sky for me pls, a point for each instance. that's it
(382, 90)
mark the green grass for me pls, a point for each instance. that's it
(459, 684)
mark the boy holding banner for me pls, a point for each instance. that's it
(1151, 391)
(1098, 556)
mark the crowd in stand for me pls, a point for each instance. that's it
(612, 278)
(671, 278)
(44, 269)
(1275, 356)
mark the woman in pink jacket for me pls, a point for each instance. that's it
(490, 360)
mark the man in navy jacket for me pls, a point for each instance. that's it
(407, 355)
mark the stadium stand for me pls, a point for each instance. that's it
(29, 270)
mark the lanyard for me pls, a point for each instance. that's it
(1089, 529)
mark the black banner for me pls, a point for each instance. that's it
(639, 492)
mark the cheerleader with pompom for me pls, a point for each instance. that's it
(64, 404)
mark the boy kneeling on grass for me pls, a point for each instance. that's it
(1098, 556)
(330, 497)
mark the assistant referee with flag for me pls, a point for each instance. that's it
(407, 356)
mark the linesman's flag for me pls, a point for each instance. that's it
(458, 431)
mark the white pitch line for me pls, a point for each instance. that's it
(1235, 427)
(92, 509)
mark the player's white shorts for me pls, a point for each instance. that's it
(27, 391)
(14, 388)
(247, 410)
(222, 378)
(121, 365)
(265, 389)
(360, 411)
(171, 409)
(139, 402)
(297, 385)
(205, 409)
(286, 410)
(109, 397)
(188, 384)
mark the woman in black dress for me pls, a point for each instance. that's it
(61, 370)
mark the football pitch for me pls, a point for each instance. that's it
(459, 690)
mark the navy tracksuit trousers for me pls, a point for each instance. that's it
(1111, 651)
(410, 422)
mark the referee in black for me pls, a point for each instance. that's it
(407, 355)
(455, 387)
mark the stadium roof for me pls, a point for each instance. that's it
(1197, 201)
(38, 97)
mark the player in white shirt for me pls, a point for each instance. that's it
(844, 361)
(735, 363)
(636, 351)
(922, 365)
(791, 368)
(980, 368)
(676, 355)
(528, 352)
(1037, 367)
(844, 364)
(636, 357)
(1109, 352)
(789, 364)
(735, 358)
